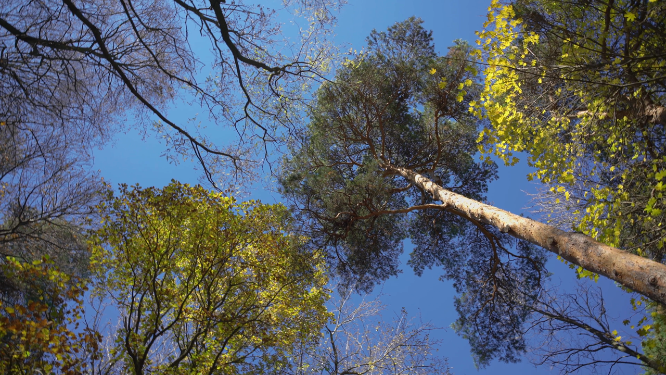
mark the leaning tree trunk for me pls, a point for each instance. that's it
(640, 274)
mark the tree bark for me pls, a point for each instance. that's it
(642, 275)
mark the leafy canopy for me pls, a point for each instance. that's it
(579, 86)
(399, 104)
(205, 284)
(40, 312)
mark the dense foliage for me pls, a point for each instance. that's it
(40, 311)
(400, 104)
(580, 87)
(205, 284)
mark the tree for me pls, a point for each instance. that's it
(395, 120)
(204, 284)
(367, 136)
(399, 104)
(39, 312)
(575, 331)
(46, 198)
(75, 67)
(579, 87)
(358, 340)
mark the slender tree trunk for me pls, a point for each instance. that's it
(640, 274)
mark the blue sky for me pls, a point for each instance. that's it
(130, 159)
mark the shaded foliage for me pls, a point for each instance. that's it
(399, 104)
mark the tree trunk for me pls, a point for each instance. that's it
(640, 274)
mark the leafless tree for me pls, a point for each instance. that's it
(46, 196)
(359, 341)
(77, 66)
(72, 71)
(575, 332)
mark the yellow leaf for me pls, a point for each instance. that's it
(433, 71)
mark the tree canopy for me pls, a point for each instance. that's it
(205, 284)
(398, 104)
(579, 86)
(78, 68)
(40, 312)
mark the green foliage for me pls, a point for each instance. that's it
(385, 107)
(579, 87)
(400, 105)
(205, 284)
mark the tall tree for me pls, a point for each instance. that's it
(77, 67)
(580, 87)
(400, 107)
(391, 137)
(204, 284)
(46, 197)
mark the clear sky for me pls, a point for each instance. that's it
(133, 160)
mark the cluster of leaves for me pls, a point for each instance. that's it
(202, 284)
(205, 284)
(580, 87)
(654, 337)
(39, 327)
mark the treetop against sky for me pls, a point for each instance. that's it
(577, 88)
